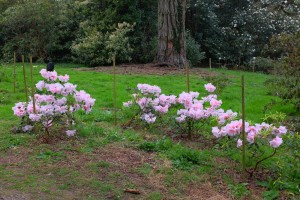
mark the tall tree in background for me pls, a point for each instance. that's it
(171, 48)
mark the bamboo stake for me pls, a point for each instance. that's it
(25, 81)
(243, 127)
(14, 72)
(187, 77)
(209, 63)
(32, 85)
(115, 91)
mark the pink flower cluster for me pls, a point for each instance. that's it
(150, 102)
(55, 103)
(149, 89)
(49, 76)
(263, 130)
(210, 87)
(85, 100)
(206, 107)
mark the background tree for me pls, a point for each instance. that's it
(171, 32)
(44, 28)
(286, 82)
(233, 31)
(236, 31)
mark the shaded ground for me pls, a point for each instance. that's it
(60, 172)
(147, 69)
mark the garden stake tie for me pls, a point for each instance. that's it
(115, 91)
(187, 77)
(14, 72)
(243, 128)
(25, 82)
(32, 85)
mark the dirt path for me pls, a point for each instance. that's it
(150, 69)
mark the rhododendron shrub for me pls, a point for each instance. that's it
(55, 104)
(259, 137)
(150, 103)
(201, 111)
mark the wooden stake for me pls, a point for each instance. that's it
(32, 85)
(115, 91)
(243, 127)
(209, 63)
(14, 72)
(25, 81)
(187, 77)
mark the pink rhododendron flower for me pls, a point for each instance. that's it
(127, 104)
(70, 133)
(281, 130)
(216, 132)
(64, 78)
(252, 129)
(210, 87)
(35, 117)
(276, 142)
(68, 89)
(143, 102)
(27, 128)
(161, 109)
(239, 143)
(209, 98)
(19, 109)
(149, 118)
(250, 137)
(50, 76)
(40, 85)
(30, 109)
(215, 103)
(194, 95)
(263, 126)
(181, 118)
(149, 89)
(54, 88)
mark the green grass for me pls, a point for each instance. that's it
(77, 167)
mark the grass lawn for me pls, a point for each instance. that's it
(102, 160)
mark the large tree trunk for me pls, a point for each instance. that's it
(171, 32)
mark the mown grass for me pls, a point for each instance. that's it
(58, 170)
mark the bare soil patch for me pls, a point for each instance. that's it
(122, 172)
(204, 192)
(149, 69)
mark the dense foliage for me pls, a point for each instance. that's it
(229, 31)
(286, 83)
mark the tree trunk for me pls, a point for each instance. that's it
(171, 32)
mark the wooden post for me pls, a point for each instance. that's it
(187, 77)
(209, 63)
(32, 85)
(14, 72)
(243, 127)
(115, 91)
(25, 81)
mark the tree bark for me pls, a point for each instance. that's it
(171, 32)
